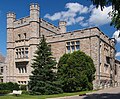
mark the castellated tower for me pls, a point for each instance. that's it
(22, 38)
(62, 26)
(10, 45)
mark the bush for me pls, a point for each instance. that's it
(5, 91)
(23, 87)
(76, 72)
(25, 92)
(9, 86)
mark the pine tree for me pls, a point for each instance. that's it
(43, 78)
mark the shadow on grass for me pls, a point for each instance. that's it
(103, 96)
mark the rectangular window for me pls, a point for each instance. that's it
(68, 49)
(19, 70)
(1, 69)
(77, 42)
(77, 47)
(108, 60)
(72, 46)
(25, 70)
(68, 43)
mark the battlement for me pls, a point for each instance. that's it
(22, 21)
(62, 23)
(11, 15)
(49, 26)
(34, 6)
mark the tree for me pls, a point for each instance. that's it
(115, 14)
(42, 80)
(76, 72)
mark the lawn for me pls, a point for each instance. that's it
(23, 96)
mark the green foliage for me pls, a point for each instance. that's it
(115, 13)
(5, 91)
(9, 86)
(25, 92)
(23, 87)
(76, 72)
(43, 76)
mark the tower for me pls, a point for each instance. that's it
(35, 29)
(62, 26)
(11, 17)
(34, 19)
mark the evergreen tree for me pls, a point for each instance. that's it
(43, 78)
(76, 72)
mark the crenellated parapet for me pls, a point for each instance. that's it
(34, 6)
(11, 17)
(52, 29)
(22, 22)
(62, 26)
(34, 12)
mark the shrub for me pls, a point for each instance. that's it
(25, 92)
(76, 72)
(23, 87)
(5, 91)
(9, 86)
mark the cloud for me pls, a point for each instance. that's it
(116, 35)
(76, 14)
(99, 17)
(76, 7)
(117, 54)
(72, 15)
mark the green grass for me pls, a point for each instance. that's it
(23, 96)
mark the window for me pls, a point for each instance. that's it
(1, 80)
(108, 60)
(26, 52)
(24, 35)
(19, 36)
(22, 53)
(19, 70)
(72, 46)
(22, 69)
(1, 70)
(68, 49)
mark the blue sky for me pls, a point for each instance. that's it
(79, 14)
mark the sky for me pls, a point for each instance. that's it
(79, 14)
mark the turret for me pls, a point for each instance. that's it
(34, 12)
(62, 26)
(11, 17)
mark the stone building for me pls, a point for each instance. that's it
(2, 69)
(24, 34)
(117, 72)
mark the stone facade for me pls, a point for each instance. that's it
(24, 34)
(2, 69)
(117, 72)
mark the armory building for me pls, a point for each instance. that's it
(23, 36)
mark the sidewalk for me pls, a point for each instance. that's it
(107, 90)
